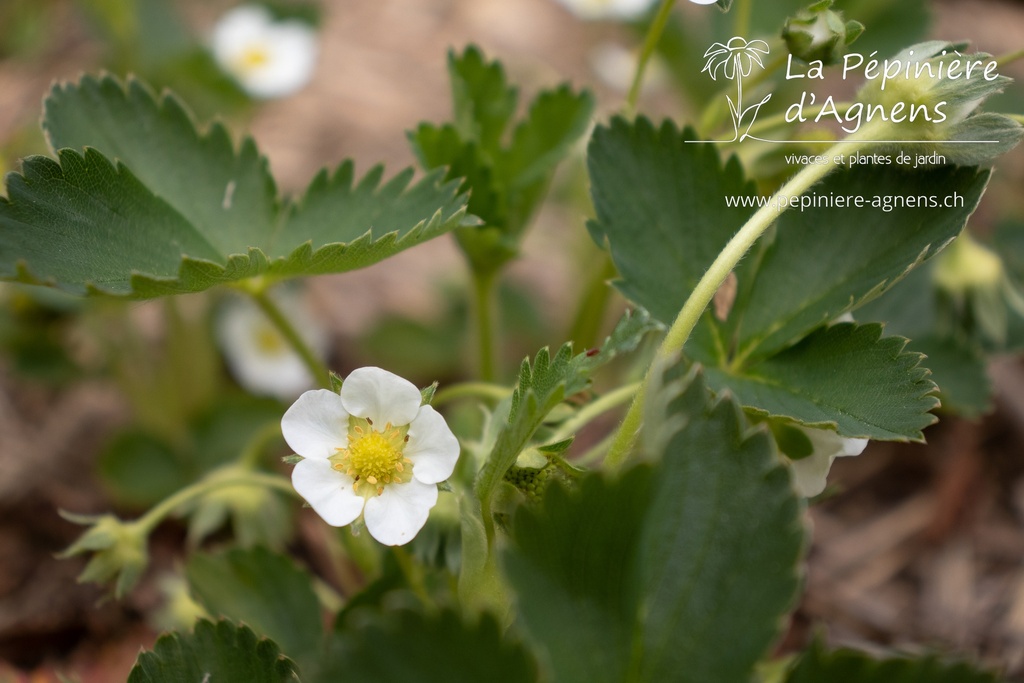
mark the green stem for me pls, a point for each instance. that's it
(742, 23)
(211, 482)
(679, 333)
(316, 367)
(586, 325)
(483, 390)
(1010, 57)
(646, 52)
(592, 410)
(483, 306)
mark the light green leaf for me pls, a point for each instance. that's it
(192, 212)
(482, 100)
(660, 205)
(848, 666)
(440, 648)
(845, 377)
(215, 653)
(264, 590)
(506, 181)
(544, 383)
(680, 571)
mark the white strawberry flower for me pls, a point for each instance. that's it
(810, 473)
(268, 58)
(258, 355)
(371, 450)
(607, 9)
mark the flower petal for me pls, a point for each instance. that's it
(316, 425)
(328, 491)
(432, 447)
(397, 515)
(809, 474)
(381, 396)
(853, 446)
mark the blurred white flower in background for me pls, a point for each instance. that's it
(260, 359)
(372, 450)
(703, 2)
(615, 65)
(268, 58)
(809, 473)
(608, 9)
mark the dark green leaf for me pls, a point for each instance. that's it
(680, 571)
(660, 205)
(408, 646)
(213, 653)
(844, 376)
(192, 213)
(848, 666)
(266, 591)
(857, 252)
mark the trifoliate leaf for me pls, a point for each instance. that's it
(180, 211)
(264, 590)
(215, 653)
(678, 571)
(845, 377)
(848, 666)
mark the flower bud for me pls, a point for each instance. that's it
(819, 33)
(119, 551)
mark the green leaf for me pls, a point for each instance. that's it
(264, 590)
(845, 377)
(439, 648)
(680, 571)
(848, 666)
(215, 653)
(660, 206)
(192, 212)
(505, 182)
(159, 142)
(543, 384)
(824, 261)
(482, 101)
(141, 468)
(915, 309)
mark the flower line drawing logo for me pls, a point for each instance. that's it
(735, 60)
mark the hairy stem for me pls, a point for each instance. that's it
(690, 314)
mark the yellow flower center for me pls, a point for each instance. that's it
(269, 341)
(253, 57)
(373, 458)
